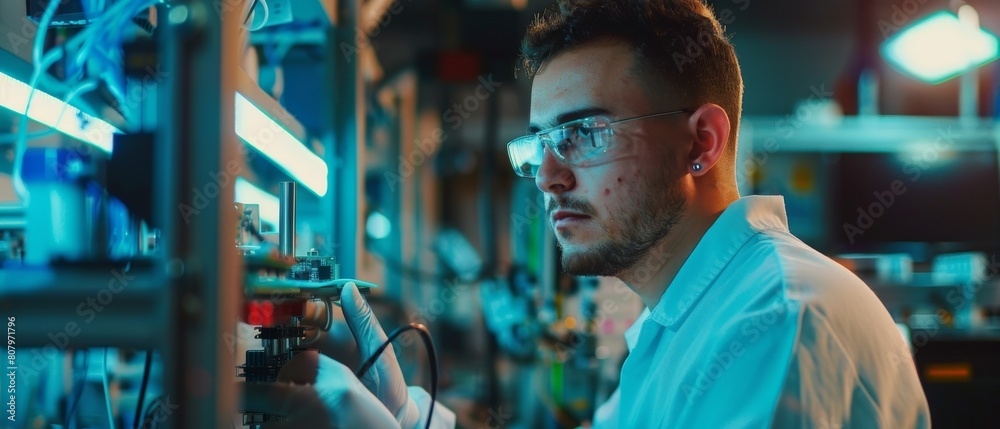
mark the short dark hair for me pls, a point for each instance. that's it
(679, 41)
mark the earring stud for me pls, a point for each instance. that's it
(696, 167)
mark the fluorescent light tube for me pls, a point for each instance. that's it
(45, 109)
(271, 139)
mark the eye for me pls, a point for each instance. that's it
(585, 135)
(564, 146)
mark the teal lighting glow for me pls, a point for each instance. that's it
(46, 109)
(271, 139)
(246, 193)
(939, 48)
(378, 226)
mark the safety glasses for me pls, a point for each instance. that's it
(572, 143)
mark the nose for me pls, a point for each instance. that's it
(553, 176)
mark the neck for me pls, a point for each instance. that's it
(651, 275)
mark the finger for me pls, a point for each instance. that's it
(301, 369)
(363, 324)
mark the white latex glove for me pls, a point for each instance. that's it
(314, 391)
(385, 379)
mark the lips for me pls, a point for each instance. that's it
(565, 218)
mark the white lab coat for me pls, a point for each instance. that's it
(758, 330)
(443, 418)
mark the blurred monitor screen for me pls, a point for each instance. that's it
(926, 196)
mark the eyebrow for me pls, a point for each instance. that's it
(569, 116)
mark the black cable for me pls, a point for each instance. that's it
(142, 389)
(250, 11)
(252, 229)
(77, 390)
(431, 356)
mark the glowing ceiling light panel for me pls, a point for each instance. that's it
(939, 48)
(46, 109)
(246, 193)
(271, 139)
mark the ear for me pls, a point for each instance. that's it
(710, 127)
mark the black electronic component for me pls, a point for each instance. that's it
(69, 13)
(256, 419)
(128, 175)
(325, 271)
(315, 268)
(281, 344)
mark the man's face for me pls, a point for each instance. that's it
(607, 213)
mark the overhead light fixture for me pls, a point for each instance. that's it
(940, 47)
(47, 109)
(271, 139)
(246, 193)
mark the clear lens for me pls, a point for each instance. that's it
(571, 142)
(580, 140)
(525, 155)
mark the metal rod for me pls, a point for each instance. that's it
(286, 218)
(968, 93)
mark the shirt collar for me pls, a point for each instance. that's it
(632, 333)
(743, 219)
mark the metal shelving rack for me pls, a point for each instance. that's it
(201, 53)
(184, 301)
(205, 301)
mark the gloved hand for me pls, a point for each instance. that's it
(316, 392)
(385, 379)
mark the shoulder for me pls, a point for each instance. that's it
(841, 323)
(776, 272)
(803, 274)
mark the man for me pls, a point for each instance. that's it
(634, 110)
(635, 106)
